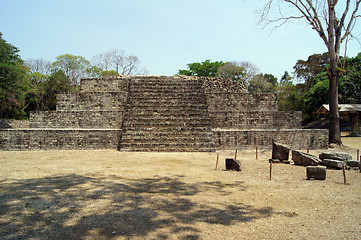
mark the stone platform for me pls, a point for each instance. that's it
(162, 113)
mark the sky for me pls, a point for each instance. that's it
(165, 35)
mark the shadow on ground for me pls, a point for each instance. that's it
(79, 207)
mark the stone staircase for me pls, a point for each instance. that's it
(166, 114)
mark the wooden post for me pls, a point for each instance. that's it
(235, 155)
(344, 174)
(256, 152)
(270, 169)
(217, 161)
(308, 150)
(358, 154)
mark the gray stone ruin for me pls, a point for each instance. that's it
(162, 113)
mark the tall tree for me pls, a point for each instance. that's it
(307, 70)
(13, 84)
(333, 22)
(74, 67)
(39, 66)
(119, 62)
(232, 71)
(206, 68)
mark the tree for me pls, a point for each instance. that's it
(39, 66)
(260, 84)
(349, 87)
(334, 23)
(206, 68)
(116, 60)
(290, 97)
(350, 80)
(74, 67)
(307, 70)
(286, 78)
(232, 71)
(13, 82)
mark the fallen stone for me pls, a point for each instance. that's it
(280, 151)
(233, 164)
(316, 172)
(341, 156)
(274, 161)
(331, 163)
(305, 159)
(353, 163)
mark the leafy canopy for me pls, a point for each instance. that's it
(206, 68)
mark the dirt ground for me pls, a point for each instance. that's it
(108, 194)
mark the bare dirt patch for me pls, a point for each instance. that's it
(115, 195)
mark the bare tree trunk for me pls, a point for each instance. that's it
(334, 133)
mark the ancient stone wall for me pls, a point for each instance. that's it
(77, 119)
(114, 84)
(295, 138)
(255, 119)
(225, 101)
(102, 101)
(46, 139)
(10, 123)
(93, 118)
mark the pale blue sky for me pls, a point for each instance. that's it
(164, 34)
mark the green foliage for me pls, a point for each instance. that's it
(286, 78)
(206, 68)
(350, 80)
(290, 97)
(232, 71)
(74, 67)
(271, 79)
(108, 74)
(260, 84)
(316, 96)
(307, 70)
(13, 82)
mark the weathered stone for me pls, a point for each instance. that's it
(280, 151)
(161, 113)
(353, 163)
(316, 172)
(341, 156)
(233, 164)
(305, 159)
(331, 163)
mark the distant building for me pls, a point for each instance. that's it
(348, 112)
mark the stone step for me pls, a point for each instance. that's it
(171, 147)
(130, 149)
(167, 119)
(185, 114)
(160, 125)
(171, 107)
(169, 129)
(165, 89)
(136, 140)
(167, 99)
(167, 134)
(163, 83)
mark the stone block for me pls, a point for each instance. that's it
(305, 159)
(353, 163)
(331, 163)
(233, 164)
(316, 172)
(280, 151)
(341, 156)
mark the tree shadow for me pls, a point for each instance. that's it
(76, 207)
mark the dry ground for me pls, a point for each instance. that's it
(114, 195)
